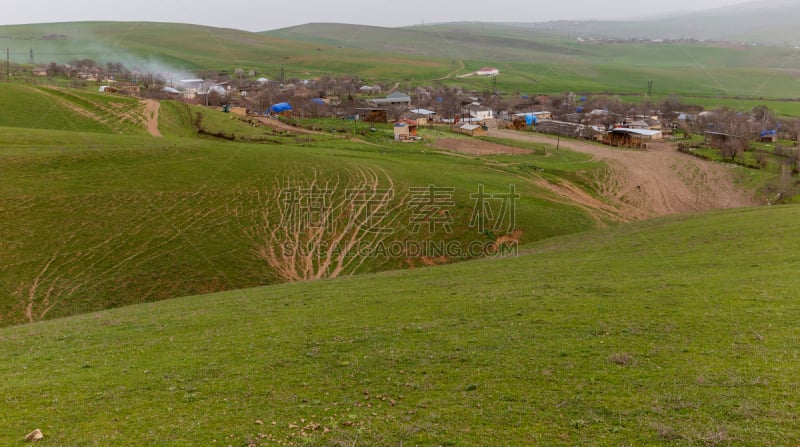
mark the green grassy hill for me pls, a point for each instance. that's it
(541, 61)
(50, 107)
(533, 61)
(94, 219)
(184, 48)
(771, 22)
(676, 331)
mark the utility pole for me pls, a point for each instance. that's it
(32, 61)
(8, 64)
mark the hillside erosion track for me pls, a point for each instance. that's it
(151, 109)
(654, 182)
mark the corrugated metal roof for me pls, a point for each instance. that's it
(643, 132)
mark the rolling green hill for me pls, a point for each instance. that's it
(680, 330)
(542, 61)
(50, 107)
(532, 60)
(771, 22)
(169, 47)
(94, 218)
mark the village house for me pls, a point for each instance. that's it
(473, 130)
(394, 98)
(423, 117)
(768, 136)
(631, 137)
(488, 71)
(373, 115)
(405, 130)
(477, 112)
(718, 139)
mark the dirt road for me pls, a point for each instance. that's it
(655, 182)
(151, 108)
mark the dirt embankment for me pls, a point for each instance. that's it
(655, 182)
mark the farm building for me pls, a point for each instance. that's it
(405, 130)
(394, 98)
(488, 71)
(281, 108)
(420, 119)
(478, 112)
(430, 115)
(768, 136)
(39, 71)
(634, 138)
(473, 130)
(373, 115)
(645, 123)
(566, 129)
(369, 90)
(719, 139)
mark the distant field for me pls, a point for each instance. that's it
(531, 61)
(180, 49)
(535, 61)
(676, 331)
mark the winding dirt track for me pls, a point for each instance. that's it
(655, 182)
(151, 108)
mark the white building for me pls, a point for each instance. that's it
(488, 71)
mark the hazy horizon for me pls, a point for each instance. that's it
(264, 17)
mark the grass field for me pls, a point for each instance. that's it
(561, 64)
(57, 108)
(181, 49)
(96, 219)
(675, 331)
(679, 330)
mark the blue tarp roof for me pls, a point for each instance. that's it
(280, 107)
(318, 101)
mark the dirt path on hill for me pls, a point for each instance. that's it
(151, 108)
(655, 182)
(276, 124)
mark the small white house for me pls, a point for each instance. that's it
(479, 112)
(488, 71)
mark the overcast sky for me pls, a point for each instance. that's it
(266, 15)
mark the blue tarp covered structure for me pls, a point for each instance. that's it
(765, 133)
(318, 101)
(531, 119)
(280, 107)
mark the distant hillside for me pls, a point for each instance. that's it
(546, 58)
(770, 22)
(483, 41)
(182, 48)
